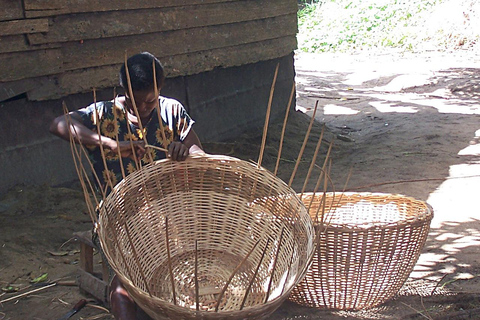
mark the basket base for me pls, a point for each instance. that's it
(214, 269)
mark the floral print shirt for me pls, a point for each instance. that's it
(113, 122)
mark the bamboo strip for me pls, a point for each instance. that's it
(122, 219)
(314, 159)
(155, 147)
(197, 299)
(109, 178)
(117, 243)
(283, 129)
(122, 169)
(303, 145)
(169, 257)
(267, 118)
(341, 196)
(27, 293)
(290, 263)
(138, 163)
(135, 256)
(134, 105)
(140, 125)
(322, 173)
(274, 265)
(74, 133)
(247, 291)
(77, 161)
(157, 106)
(220, 296)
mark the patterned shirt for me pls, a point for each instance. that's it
(113, 122)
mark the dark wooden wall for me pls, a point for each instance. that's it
(54, 48)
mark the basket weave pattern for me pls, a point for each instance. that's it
(368, 245)
(239, 239)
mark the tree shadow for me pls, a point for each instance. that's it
(432, 165)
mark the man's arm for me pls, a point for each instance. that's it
(71, 125)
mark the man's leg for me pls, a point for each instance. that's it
(121, 304)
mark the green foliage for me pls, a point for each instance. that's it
(353, 25)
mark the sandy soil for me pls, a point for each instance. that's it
(402, 124)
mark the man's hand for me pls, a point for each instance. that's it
(177, 151)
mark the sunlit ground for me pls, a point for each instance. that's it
(385, 82)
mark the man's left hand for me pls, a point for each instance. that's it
(177, 151)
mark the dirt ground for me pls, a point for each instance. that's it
(403, 124)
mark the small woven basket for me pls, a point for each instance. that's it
(211, 237)
(368, 246)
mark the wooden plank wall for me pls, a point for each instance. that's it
(52, 48)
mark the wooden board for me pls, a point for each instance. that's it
(121, 23)
(11, 10)
(93, 285)
(177, 65)
(18, 43)
(29, 64)
(12, 89)
(95, 53)
(43, 8)
(101, 52)
(23, 26)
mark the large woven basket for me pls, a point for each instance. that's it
(212, 237)
(368, 246)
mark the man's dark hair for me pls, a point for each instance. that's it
(141, 72)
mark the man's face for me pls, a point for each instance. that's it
(145, 100)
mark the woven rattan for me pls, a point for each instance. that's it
(368, 245)
(211, 237)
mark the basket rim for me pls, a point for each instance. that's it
(419, 219)
(195, 157)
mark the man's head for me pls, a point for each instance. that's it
(140, 69)
(141, 72)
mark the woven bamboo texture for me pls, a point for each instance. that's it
(368, 246)
(212, 237)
